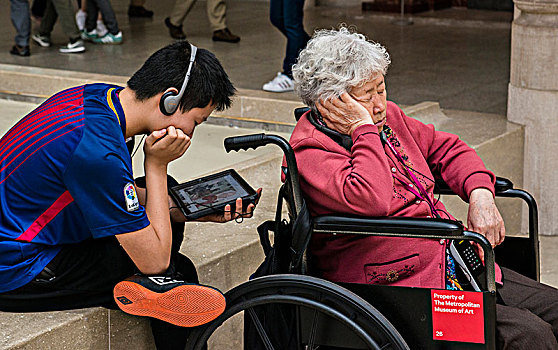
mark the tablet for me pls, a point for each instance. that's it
(210, 194)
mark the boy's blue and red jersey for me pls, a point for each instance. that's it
(65, 177)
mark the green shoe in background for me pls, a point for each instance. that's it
(109, 38)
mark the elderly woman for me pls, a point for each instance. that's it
(360, 154)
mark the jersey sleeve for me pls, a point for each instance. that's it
(99, 178)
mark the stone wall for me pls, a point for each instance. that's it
(533, 101)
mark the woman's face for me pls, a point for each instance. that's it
(373, 97)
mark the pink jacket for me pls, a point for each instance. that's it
(364, 182)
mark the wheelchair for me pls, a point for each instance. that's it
(285, 308)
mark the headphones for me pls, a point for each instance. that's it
(344, 141)
(170, 100)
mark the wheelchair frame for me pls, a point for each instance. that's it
(397, 316)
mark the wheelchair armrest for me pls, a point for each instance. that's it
(407, 227)
(504, 188)
(501, 185)
(398, 225)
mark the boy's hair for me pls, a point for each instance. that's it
(167, 68)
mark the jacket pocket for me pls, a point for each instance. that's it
(399, 272)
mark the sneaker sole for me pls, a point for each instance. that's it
(185, 306)
(80, 50)
(276, 90)
(108, 42)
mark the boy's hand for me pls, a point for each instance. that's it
(228, 215)
(164, 146)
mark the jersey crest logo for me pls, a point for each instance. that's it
(131, 197)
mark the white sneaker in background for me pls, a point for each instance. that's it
(73, 47)
(281, 83)
(41, 40)
(101, 28)
(80, 19)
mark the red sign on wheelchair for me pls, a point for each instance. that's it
(457, 316)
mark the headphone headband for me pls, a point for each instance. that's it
(169, 101)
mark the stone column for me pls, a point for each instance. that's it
(533, 101)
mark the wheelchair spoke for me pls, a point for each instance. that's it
(261, 331)
(313, 331)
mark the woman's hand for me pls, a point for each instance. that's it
(163, 146)
(344, 114)
(484, 217)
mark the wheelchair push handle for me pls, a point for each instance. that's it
(236, 143)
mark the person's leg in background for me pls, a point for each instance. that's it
(216, 13)
(276, 15)
(136, 9)
(65, 11)
(528, 317)
(47, 24)
(90, 20)
(19, 14)
(38, 8)
(287, 16)
(81, 14)
(81, 17)
(293, 13)
(174, 22)
(114, 35)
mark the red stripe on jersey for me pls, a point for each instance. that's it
(35, 135)
(1, 170)
(62, 202)
(38, 114)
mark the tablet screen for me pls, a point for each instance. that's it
(211, 193)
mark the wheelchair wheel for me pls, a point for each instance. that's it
(299, 312)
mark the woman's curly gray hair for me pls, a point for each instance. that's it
(334, 62)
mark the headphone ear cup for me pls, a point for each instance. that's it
(168, 104)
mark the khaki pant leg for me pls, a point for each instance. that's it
(216, 12)
(180, 11)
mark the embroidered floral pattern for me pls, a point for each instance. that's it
(391, 275)
(392, 137)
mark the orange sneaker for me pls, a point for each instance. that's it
(174, 301)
